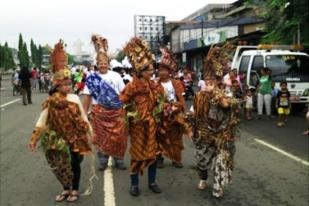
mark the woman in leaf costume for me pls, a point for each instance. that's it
(63, 128)
(214, 131)
(144, 99)
(173, 124)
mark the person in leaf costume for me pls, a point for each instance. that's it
(174, 123)
(214, 128)
(144, 101)
(63, 129)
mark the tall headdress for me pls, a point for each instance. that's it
(138, 52)
(59, 61)
(167, 60)
(217, 58)
(101, 47)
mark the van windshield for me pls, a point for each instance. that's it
(289, 67)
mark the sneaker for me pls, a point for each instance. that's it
(155, 188)
(120, 166)
(134, 191)
(202, 185)
(103, 167)
(280, 124)
(177, 164)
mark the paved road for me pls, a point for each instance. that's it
(261, 177)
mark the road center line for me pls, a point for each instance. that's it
(11, 102)
(304, 162)
(108, 188)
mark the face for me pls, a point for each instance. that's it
(147, 73)
(283, 86)
(103, 67)
(232, 74)
(65, 88)
(163, 73)
(210, 81)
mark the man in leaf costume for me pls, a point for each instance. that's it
(215, 124)
(173, 124)
(63, 128)
(144, 101)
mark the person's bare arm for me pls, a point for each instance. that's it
(86, 103)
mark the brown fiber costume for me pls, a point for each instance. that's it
(173, 125)
(143, 97)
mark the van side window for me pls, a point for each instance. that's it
(257, 63)
(243, 67)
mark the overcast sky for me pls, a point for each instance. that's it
(72, 20)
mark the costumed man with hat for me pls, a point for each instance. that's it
(102, 90)
(144, 101)
(63, 129)
(214, 124)
(173, 124)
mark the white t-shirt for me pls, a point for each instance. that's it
(113, 79)
(169, 91)
(201, 85)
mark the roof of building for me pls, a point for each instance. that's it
(242, 20)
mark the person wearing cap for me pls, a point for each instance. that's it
(63, 129)
(214, 131)
(143, 99)
(102, 90)
(173, 124)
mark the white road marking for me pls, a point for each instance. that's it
(304, 162)
(2, 88)
(109, 194)
(8, 103)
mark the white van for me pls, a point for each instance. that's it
(286, 65)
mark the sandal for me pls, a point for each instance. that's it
(202, 185)
(73, 197)
(61, 197)
(219, 194)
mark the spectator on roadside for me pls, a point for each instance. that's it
(188, 82)
(235, 89)
(264, 93)
(248, 104)
(229, 77)
(34, 78)
(273, 99)
(283, 104)
(201, 84)
(25, 77)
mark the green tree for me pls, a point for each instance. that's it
(120, 56)
(284, 20)
(6, 57)
(23, 55)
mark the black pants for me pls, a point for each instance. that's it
(76, 160)
(26, 92)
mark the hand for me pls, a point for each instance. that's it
(32, 146)
(190, 135)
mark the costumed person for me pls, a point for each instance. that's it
(144, 100)
(173, 124)
(214, 127)
(102, 90)
(63, 129)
